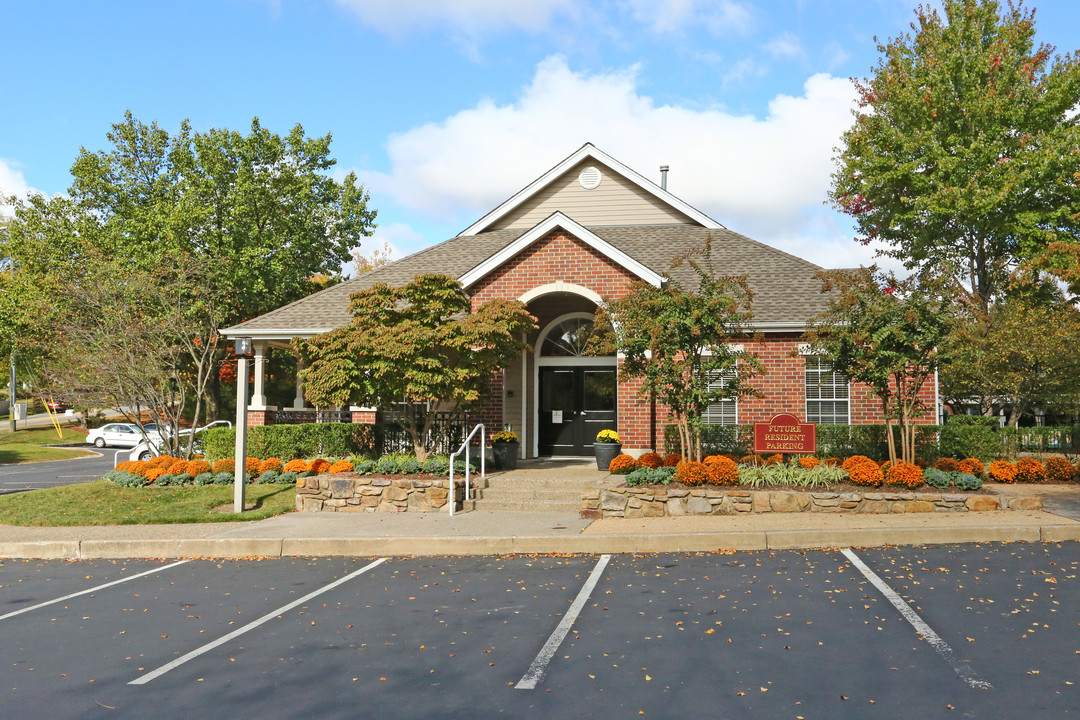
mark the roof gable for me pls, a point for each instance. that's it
(622, 197)
(540, 230)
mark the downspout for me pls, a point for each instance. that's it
(652, 418)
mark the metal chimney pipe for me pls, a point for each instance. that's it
(663, 177)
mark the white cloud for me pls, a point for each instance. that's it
(785, 45)
(470, 17)
(667, 16)
(766, 176)
(12, 182)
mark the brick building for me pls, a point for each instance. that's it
(580, 233)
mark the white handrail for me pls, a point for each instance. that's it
(465, 447)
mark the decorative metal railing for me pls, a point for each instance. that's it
(297, 417)
(445, 432)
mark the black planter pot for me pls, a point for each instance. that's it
(506, 455)
(605, 453)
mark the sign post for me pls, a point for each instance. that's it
(785, 434)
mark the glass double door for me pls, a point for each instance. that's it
(575, 404)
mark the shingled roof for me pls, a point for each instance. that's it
(786, 294)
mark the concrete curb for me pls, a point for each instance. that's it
(527, 545)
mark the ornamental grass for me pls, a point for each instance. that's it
(622, 464)
(270, 464)
(905, 475)
(692, 473)
(1001, 471)
(650, 460)
(297, 466)
(1030, 470)
(971, 466)
(722, 471)
(1059, 470)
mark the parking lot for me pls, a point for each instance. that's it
(991, 631)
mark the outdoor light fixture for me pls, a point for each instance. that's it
(243, 347)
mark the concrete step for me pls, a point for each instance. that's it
(529, 506)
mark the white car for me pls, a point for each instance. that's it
(151, 447)
(115, 435)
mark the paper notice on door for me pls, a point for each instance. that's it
(556, 417)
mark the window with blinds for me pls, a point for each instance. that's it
(826, 393)
(724, 412)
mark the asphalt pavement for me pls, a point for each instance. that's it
(973, 631)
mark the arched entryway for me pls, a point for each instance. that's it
(576, 394)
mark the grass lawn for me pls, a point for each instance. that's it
(25, 445)
(102, 503)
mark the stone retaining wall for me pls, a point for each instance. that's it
(349, 492)
(645, 501)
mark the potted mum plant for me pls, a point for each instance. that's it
(504, 447)
(607, 446)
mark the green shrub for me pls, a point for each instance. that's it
(387, 465)
(459, 466)
(293, 441)
(270, 477)
(204, 478)
(650, 476)
(965, 481)
(974, 436)
(939, 479)
(411, 466)
(165, 480)
(307, 474)
(436, 465)
(183, 479)
(365, 468)
(224, 479)
(287, 478)
(124, 479)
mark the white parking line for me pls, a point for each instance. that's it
(535, 673)
(91, 590)
(959, 667)
(143, 679)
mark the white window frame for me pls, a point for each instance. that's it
(806, 388)
(721, 379)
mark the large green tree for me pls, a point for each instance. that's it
(965, 147)
(258, 216)
(888, 334)
(679, 342)
(414, 344)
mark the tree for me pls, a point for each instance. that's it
(259, 215)
(142, 340)
(886, 333)
(678, 342)
(418, 343)
(379, 257)
(1021, 354)
(964, 151)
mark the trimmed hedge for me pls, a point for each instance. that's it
(292, 441)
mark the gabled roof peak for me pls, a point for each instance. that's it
(588, 151)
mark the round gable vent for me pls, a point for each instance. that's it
(590, 177)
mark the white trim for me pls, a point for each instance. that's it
(273, 333)
(588, 150)
(561, 287)
(539, 362)
(806, 398)
(541, 229)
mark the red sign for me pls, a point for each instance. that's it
(785, 434)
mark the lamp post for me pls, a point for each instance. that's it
(243, 352)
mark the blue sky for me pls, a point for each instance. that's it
(447, 107)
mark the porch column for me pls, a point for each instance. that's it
(258, 395)
(298, 401)
(523, 450)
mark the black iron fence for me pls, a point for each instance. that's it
(299, 417)
(444, 435)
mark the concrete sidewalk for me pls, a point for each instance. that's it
(481, 532)
(486, 533)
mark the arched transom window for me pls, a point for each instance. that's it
(568, 338)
